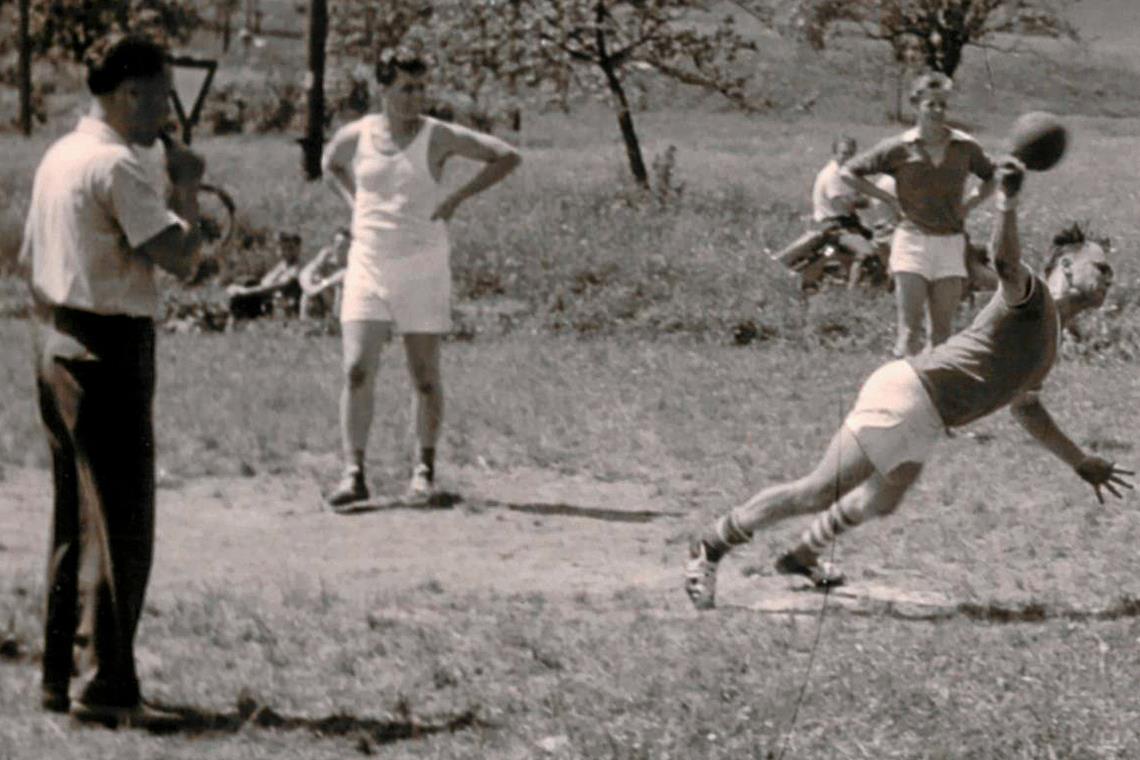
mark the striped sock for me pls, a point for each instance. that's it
(722, 535)
(838, 518)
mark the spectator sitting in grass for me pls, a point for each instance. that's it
(321, 278)
(252, 300)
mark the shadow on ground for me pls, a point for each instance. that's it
(401, 727)
(448, 500)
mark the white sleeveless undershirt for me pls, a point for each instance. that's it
(395, 197)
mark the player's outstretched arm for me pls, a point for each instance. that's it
(1005, 242)
(1028, 410)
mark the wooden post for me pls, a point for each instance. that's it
(313, 141)
(25, 71)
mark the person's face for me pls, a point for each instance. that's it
(844, 151)
(931, 107)
(1087, 273)
(146, 106)
(404, 98)
(290, 250)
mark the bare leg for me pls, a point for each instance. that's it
(910, 297)
(945, 294)
(842, 467)
(424, 366)
(877, 496)
(800, 248)
(363, 342)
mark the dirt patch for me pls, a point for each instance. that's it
(527, 531)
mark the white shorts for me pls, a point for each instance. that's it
(894, 419)
(414, 294)
(933, 257)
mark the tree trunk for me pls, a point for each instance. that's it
(25, 72)
(515, 114)
(625, 117)
(369, 27)
(225, 11)
(313, 142)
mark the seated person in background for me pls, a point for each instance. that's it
(834, 203)
(320, 279)
(257, 299)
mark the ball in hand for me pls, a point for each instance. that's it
(1038, 139)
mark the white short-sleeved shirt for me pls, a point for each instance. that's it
(93, 203)
(830, 195)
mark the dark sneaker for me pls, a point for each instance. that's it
(351, 489)
(142, 716)
(700, 577)
(821, 574)
(55, 700)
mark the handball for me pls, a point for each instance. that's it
(1038, 139)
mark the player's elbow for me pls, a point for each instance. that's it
(1027, 411)
(510, 160)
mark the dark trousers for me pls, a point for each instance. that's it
(95, 377)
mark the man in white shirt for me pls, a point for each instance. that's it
(834, 205)
(96, 228)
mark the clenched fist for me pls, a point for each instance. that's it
(184, 166)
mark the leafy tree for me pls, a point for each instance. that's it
(66, 28)
(935, 31)
(486, 52)
(474, 48)
(608, 38)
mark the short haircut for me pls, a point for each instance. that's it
(1070, 238)
(843, 140)
(117, 57)
(392, 62)
(933, 81)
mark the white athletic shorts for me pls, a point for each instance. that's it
(934, 257)
(413, 293)
(894, 419)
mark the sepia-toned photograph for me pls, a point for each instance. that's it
(569, 379)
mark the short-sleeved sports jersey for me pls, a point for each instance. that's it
(1006, 351)
(931, 195)
(93, 203)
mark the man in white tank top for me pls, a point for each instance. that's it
(388, 168)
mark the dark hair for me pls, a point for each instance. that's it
(391, 62)
(116, 58)
(843, 140)
(932, 81)
(1071, 237)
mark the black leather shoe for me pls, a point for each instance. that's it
(141, 716)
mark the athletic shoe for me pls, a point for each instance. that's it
(700, 577)
(821, 574)
(351, 489)
(422, 485)
(55, 700)
(142, 716)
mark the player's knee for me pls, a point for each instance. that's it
(356, 373)
(427, 388)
